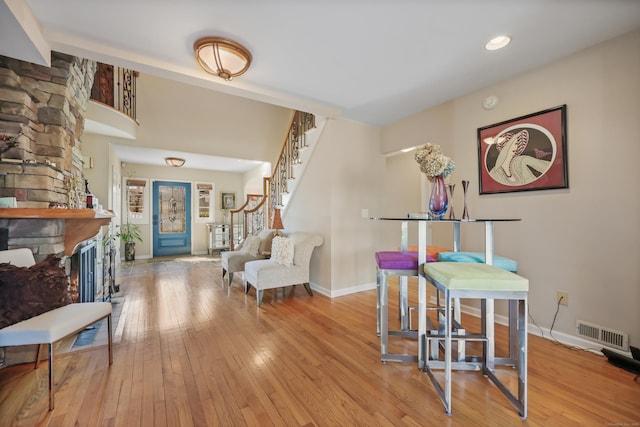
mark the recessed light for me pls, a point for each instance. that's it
(498, 42)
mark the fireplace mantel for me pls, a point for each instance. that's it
(80, 224)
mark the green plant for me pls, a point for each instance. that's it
(129, 233)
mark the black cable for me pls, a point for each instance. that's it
(555, 316)
(555, 340)
(534, 321)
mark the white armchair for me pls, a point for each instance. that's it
(234, 261)
(270, 273)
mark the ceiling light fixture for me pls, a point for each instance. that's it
(175, 162)
(221, 57)
(497, 43)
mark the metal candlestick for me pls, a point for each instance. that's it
(451, 188)
(465, 186)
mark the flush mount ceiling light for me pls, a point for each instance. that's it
(175, 162)
(221, 57)
(497, 43)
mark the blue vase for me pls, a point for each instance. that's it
(438, 201)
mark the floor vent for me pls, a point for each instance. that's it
(610, 337)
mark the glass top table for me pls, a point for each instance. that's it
(423, 222)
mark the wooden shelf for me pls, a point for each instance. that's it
(80, 224)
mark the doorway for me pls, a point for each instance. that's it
(171, 218)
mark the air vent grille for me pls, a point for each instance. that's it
(610, 337)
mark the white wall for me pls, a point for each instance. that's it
(178, 116)
(254, 179)
(584, 239)
(340, 180)
(97, 147)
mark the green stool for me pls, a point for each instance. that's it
(487, 283)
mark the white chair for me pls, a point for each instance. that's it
(52, 326)
(21, 257)
(269, 274)
(234, 261)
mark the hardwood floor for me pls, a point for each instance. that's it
(194, 353)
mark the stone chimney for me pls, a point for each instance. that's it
(42, 112)
(42, 109)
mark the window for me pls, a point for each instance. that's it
(136, 201)
(204, 202)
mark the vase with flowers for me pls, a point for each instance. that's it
(436, 166)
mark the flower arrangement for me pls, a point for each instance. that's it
(433, 163)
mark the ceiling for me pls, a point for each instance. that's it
(373, 61)
(148, 156)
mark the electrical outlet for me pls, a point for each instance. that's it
(563, 297)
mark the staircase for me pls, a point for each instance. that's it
(279, 189)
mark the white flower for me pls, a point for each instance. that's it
(432, 162)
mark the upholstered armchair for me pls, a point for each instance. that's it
(252, 248)
(288, 265)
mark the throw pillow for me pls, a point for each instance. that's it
(282, 251)
(265, 244)
(251, 245)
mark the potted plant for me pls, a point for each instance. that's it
(129, 233)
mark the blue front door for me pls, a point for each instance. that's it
(171, 218)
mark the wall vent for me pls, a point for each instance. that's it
(610, 337)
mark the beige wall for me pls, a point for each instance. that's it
(178, 116)
(583, 239)
(341, 179)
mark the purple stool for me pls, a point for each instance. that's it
(393, 263)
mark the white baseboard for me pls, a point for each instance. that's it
(560, 337)
(341, 292)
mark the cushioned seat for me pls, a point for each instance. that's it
(253, 248)
(485, 282)
(475, 276)
(432, 251)
(403, 265)
(289, 264)
(54, 325)
(391, 260)
(498, 261)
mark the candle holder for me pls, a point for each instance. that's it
(451, 214)
(465, 186)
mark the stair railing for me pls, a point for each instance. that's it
(277, 184)
(257, 211)
(247, 219)
(115, 87)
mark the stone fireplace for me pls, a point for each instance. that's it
(42, 111)
(42, 114)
